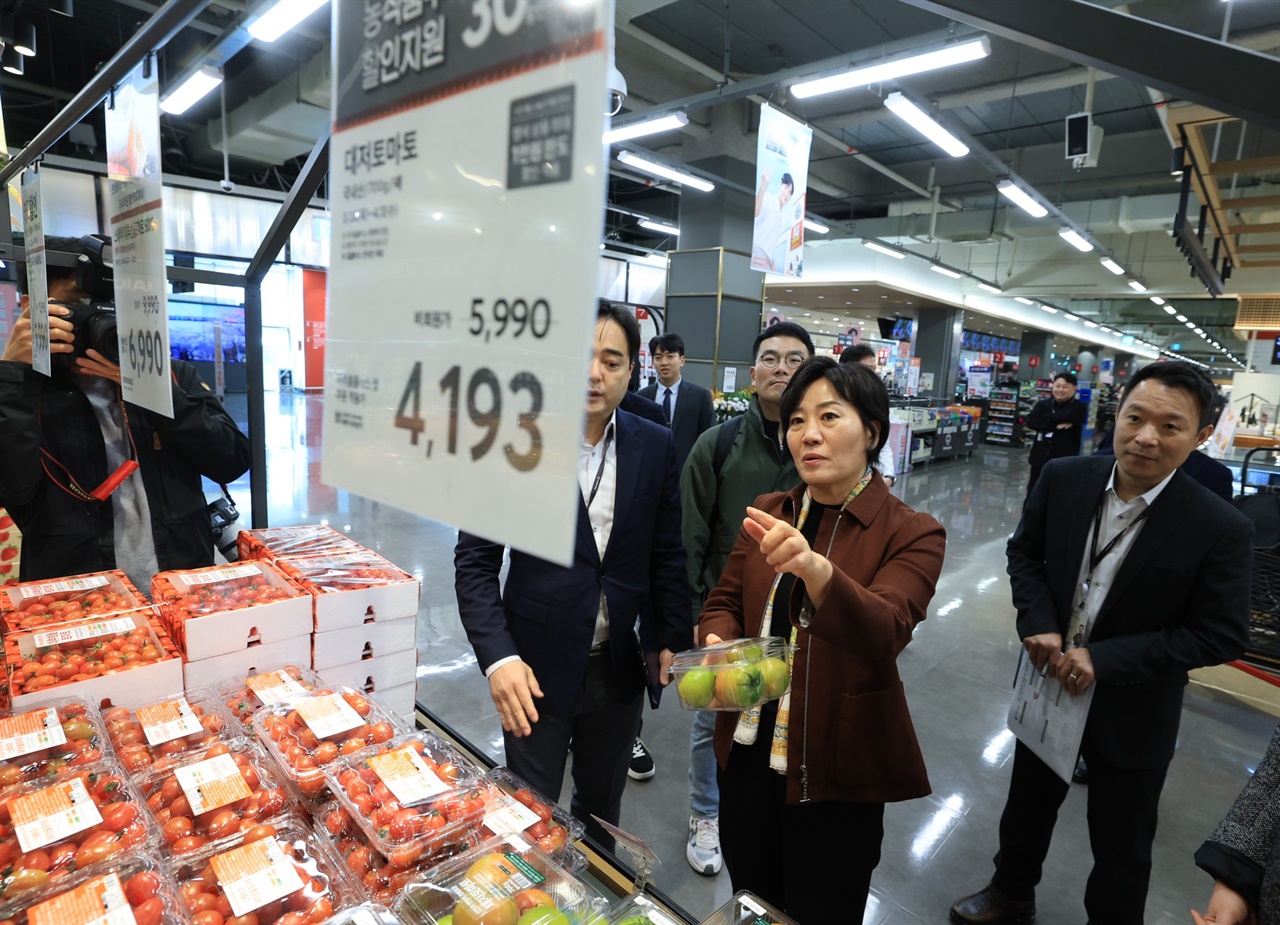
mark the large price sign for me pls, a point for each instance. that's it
(137, 234)
(468, 195)
(37, 281)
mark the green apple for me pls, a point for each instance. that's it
(697, 687)
(541, 915)
(744, 652)
(445, 920)
(776, 677)
(738, 687)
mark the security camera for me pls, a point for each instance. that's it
(617, 86)
(227, 186)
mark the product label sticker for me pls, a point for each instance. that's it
(21, 735)
(255, 874)
(85, 631)
(510, 819)
(748, 903)
(71, 584)
(212, 783)
(101, 901)
(351, 558)
(164, 722)
(52, 814)
(523, 877)
(219, 574)
(274, 686)
(407, 776)
(326, 716)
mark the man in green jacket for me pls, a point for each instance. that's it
(730, 465)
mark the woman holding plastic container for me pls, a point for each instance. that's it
(845, 571)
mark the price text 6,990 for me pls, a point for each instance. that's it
(146, 352)
(511, 318)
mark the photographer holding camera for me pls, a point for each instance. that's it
(94, 482)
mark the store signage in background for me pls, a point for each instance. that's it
(468, 181)
(219, 365)
(730, 379)
(782, 179)
(1224, 434)
(1033, 362)
(997, 358)
(37, 281)
(926, 382)
(1094, 370)
(913, 376)
(1079, 367)
(979, 381)
(134, 194)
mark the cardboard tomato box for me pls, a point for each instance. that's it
(225, 609)
(10, 549)
(30, 605)
(399, 700)
(353, 588)
(304, 540)
(370, 640)
(120, 658)
(373, 675)
(207, 672)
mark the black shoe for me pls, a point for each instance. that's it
(642, 766)
(1081, 774)
(993, 907)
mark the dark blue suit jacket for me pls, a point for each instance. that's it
(546, 613)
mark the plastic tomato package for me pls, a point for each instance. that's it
(501, 880)
(83, 651)
(734, 675)
(747, 909)
(308, 733)
(244, 697)
(527, 811)
(304, 540)
(35, 604)
(351, 588)
(39, 742)
(214, 793)
(361, 568)
(136, 882)
(166, 728)
(413, 796)
(277, 873)
(83, 818)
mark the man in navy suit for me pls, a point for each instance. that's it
(1126, 574)
(686, 407)
(568, 651)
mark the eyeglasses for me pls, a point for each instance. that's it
(771, 360)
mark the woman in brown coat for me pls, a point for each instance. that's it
(845, 571)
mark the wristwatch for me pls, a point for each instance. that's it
(891, 479)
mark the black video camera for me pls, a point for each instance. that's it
(222, 514)
(95, 321)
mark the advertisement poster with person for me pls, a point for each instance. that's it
(782, 176)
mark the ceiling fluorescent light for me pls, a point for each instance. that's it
(1190, 324)
(1157, 300)
(1106, 330)
(1072, 237)
(1181, 317)
(816, 227)
(668, 173)
(989, 288)
(1112, 266)
(1019, 298)
(281, 17)
(1050, 309)
(660, 227)
(1137, 286)
(1071, 317)
(945, 271)
(191, 91)
(890, 70)
(1091, 324)
(919, 120)
(651, 127)
(1020, 198)
(882, 249)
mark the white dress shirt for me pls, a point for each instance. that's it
(1116, 516)
(675, 395)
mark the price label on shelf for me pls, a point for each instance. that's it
(164, 722)
(85, 631)
(274, 686)
(52, 814)
(407, 776)
(466, 407)
(510, 819)
(212, 783)
(101, 901)
(255, 874)
(220, 574)
(137, 241)
(58, 587)
(326, 716)
(22, 735)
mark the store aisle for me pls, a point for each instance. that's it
(957, 671)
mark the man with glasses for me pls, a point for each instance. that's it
(730, 466)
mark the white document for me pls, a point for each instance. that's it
(1046, 719)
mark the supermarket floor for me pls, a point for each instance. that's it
(957, 673)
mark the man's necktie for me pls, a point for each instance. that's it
(666, 406)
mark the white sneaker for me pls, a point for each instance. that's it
(703, 849)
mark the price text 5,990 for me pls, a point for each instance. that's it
(511, 318)
(484, 407)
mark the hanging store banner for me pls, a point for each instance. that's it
(1224, 434)
(468, 180)
(137, 238)
(37, 281)
(782, 177)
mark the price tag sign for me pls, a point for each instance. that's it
(37, 281)
(22, 735)
(212, 783)
(52, 814)
(101, 901)
(255, 874)
(164, 722)
(137, 235)
(407, 776)
(274, 687)
(468, 194)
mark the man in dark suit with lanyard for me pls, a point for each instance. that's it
(568, 651)
(1126, 574)
(687, 407)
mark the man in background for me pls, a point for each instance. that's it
(687, 407)
(1058, 423)
(866, 355)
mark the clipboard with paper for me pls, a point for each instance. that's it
(1047, 719)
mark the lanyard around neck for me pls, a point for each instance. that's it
(604, 459)
(1096, 557)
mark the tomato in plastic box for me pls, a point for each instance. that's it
(135, 880)
(78, 652)
(41, 742)
(169, 727)
(245, 698)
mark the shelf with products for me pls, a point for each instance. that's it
(1002, 417)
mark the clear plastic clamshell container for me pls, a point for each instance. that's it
(38, 742)
(270, 872)
(734, 675)
(166, 728)
(84, 818)
(524, 810)
(244, 697)
(302, 540)
(214, 793)
(308, 733)
(638, 909)
(135, 881)
(363, 914)
(413, 796)
(498, 881)
(747, 909)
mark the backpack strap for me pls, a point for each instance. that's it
(724, 442)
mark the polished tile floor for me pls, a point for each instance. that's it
(957, 673)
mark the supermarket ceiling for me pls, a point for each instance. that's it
(871, 175)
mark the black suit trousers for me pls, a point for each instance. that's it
(1123, 804)
(599, 733)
